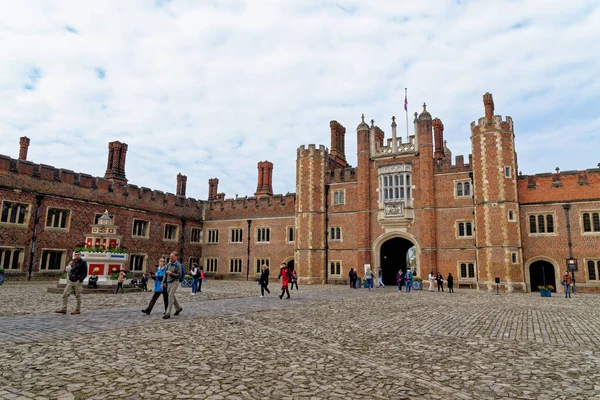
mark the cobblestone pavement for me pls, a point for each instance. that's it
(326, 342)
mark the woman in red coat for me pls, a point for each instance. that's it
(284, 274)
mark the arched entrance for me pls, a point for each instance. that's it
(290, 264)
(541, 272)
(394, 255)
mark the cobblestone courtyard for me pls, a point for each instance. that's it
(326, 342)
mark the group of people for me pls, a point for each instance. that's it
(287, 275)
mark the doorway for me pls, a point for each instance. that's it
(541, 273)
(396, 253)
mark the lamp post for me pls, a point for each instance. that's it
(571, 262)
(248, 258)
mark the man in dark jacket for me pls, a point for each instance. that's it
(75, 277)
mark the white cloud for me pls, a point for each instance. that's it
(209, 89)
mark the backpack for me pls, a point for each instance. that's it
(182, 277)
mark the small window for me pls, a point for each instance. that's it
(140, 228)
(263, 235)
(465, 229)
(511, 216)
(289, 237)
(514, 257)
(10, 258)
(196, 235)
(213, 236)
(211, 264)
(235, 265)
(335, 233)
(237, 235)
(52, 260)
(591, 222)
(14, 213)
(57, 218)
(541, 224)
(467, 270)
(258, 263)
(335, 268)
(137, 262)
(338, 197)
(462, 188)
(507, 172)
(171, 232)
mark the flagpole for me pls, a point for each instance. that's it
(406, 111)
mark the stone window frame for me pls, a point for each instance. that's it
(514, 257)
(144, 260)
(62, 263)
(27, 214)
(165, 231)
(508, 172)
(11, 261)
(212, 236)
(545, 214)
(235, 263)
(60, 210)
(335, 234)
(259, 261)
(457, 228)
(211, 264)
(514, 215)
(594, 221)
(337, 268)
(134, 230)
(237, 231)
(290, 229)
(467, 263)
(262, 235)
(193, 230)
(596, 265)
(463, 195)
(338, 197)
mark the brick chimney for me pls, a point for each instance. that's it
(213, 185)
(438, 132)
(488, 102)
(115, 168)
(181, 184)
(24, 146)
(265, 179)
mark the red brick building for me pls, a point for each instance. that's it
(479, 220)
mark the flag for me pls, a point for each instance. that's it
(405, 101)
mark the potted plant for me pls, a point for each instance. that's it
(1, 276)
(546, 291)
(417, 283)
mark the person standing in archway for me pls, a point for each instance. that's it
(408, 280)
(567, 283)
(380, 278)
(399, 279)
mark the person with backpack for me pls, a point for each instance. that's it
(173, 276)
(195, 278)
(284, 274)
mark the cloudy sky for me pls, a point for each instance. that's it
(210, 88)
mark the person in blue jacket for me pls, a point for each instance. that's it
(158, 278)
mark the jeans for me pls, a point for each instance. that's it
(567, 290)
(195, 285)
(380, 282)
(408, 286)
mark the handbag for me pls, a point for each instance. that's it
(563, 283)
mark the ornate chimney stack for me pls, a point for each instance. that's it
(438, 132)
(213, 185)
(265, 179)
(24, 146)
(115, 168)
(181, 184)
(488, 102)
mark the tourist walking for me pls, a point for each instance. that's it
(158, 277)
(77, 273)
(120, 281)
(264, 280)
(567, 281)
(380, 278)
(440, 282)
(369, 278)
(195, 278)
(399, 279)
(450, 280)
(284, 274)
(171, 283)
(293, 279)
(408, 277)
(431, 279)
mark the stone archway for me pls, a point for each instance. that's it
(390, 251)
(542, 272)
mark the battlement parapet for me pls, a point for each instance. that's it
(252, 207)
(559, 186)
(482, 124)
(445, 165)
(304, 151)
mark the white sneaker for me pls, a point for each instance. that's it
(193, 294)
(262, 296)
